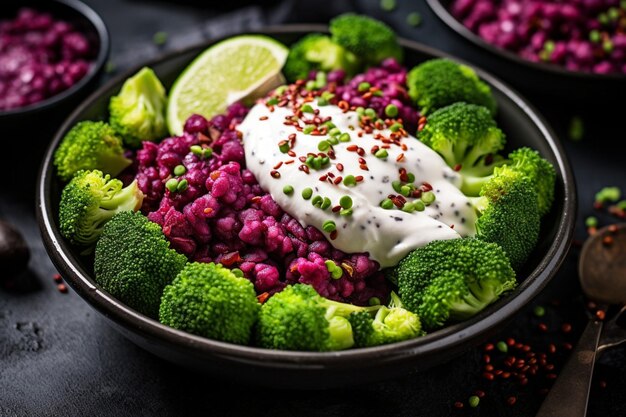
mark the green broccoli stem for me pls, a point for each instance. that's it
(476, 176)
(472, 185)
(396, 301)
(126, 199)
(480, 295)
(480, 204)
(336, 308)
(340, 333)
(112, 163)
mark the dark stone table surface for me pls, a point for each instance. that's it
(58, 357)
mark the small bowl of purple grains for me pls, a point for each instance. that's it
(51, 52)
(549, 44)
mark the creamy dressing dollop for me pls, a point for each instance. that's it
(386, 235)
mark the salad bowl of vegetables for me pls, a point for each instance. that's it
(325, 208)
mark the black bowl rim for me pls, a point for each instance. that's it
(98, 63)
(447, 338)
(444, 14)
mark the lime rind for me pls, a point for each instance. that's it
(228, 71)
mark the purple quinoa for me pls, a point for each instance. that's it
(40, 56)
(215, 211)
(580, 35)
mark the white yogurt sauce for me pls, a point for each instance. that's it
(387, 235)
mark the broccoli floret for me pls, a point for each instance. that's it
(390, 324)
(370, 40)
(134, 262)
(298, 318)
(362, 324)
(440, 82)
(468, 139)
(508, 214)
(90, 200)
(210, 301)
(510, 195)
(539, 172)
(90, 145)
(137, 113)
(453, 279)
(318, 52)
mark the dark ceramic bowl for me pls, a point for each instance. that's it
(303, 369)
(539, 77)
(88, 22)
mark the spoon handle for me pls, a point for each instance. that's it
(569, 395)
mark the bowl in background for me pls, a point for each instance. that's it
(313, 369)
(87, 21)
(541, 78)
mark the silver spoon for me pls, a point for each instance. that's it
(602, 274)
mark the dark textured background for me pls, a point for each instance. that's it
(60, 358)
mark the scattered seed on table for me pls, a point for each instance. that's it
(159, 38)
(539, 311)
(414, 19)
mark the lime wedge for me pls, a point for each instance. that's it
(242, 67)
